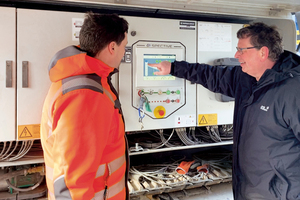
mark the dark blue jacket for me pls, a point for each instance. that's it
(266, 143)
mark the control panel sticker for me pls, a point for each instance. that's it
(207, 119)
(188, 25)
(76, 26)
(29, 132)
(185, 120)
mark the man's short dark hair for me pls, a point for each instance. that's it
(98, 30)
(263, 35)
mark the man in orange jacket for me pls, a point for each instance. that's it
(82, 127)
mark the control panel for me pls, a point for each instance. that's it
(156, 96)
(149, 101)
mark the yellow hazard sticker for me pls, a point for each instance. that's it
(29, 132)
(207, 119)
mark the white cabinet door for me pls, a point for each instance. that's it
(40, 35)
(7, 73)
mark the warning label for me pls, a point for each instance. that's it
(207, 119)
(29, 132)
(25, 133)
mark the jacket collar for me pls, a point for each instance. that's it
(287, 66)
(72, 61)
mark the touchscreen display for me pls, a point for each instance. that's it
(156, 58)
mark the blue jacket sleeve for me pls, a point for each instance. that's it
(217, 79)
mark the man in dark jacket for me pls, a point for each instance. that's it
(266, 88)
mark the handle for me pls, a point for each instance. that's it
(8, 73)
(25, 74)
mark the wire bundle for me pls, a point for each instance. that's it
(165, 176)
(187, 138)
(194, 136)
(9, 149)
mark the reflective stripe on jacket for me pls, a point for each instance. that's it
(82, 130)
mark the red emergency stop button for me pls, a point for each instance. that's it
(161, 112)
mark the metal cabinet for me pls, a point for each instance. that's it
(29, 39)
(7, 73)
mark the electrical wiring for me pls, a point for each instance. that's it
(148, 145)
(155, 135)
(165, 169)
(194, 136)
(223, 162)
(164, 177)
(27, 147)
(161, 178)
(210, 169)
(8, 152)
(5, 156)
(3, 148)
(148, 176)
(214, 133)
(11, 153)
(210, 135)
(226, 132)
(38, 171)
(25, 189)
(182, 134)
(205, 137)
(164, 140)
(23, 146)
(144, 175)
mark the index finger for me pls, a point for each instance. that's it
(152, 64)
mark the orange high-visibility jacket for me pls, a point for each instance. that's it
(82, 130)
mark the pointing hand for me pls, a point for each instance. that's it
(164, 68)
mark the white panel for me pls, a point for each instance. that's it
(207, 102)
(40, 35)
(287, 29)
(157, 30)
(255, 8)
(7, 53)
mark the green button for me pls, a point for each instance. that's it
(178, 92)
(168, 92)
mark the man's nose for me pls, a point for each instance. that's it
(237, 54)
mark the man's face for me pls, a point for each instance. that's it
(120, 50)
(249, 58)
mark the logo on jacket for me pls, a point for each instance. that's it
(264, 108)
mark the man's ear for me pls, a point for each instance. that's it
(111, 47)
(264, 53)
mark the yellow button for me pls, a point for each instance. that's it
(159, 112)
